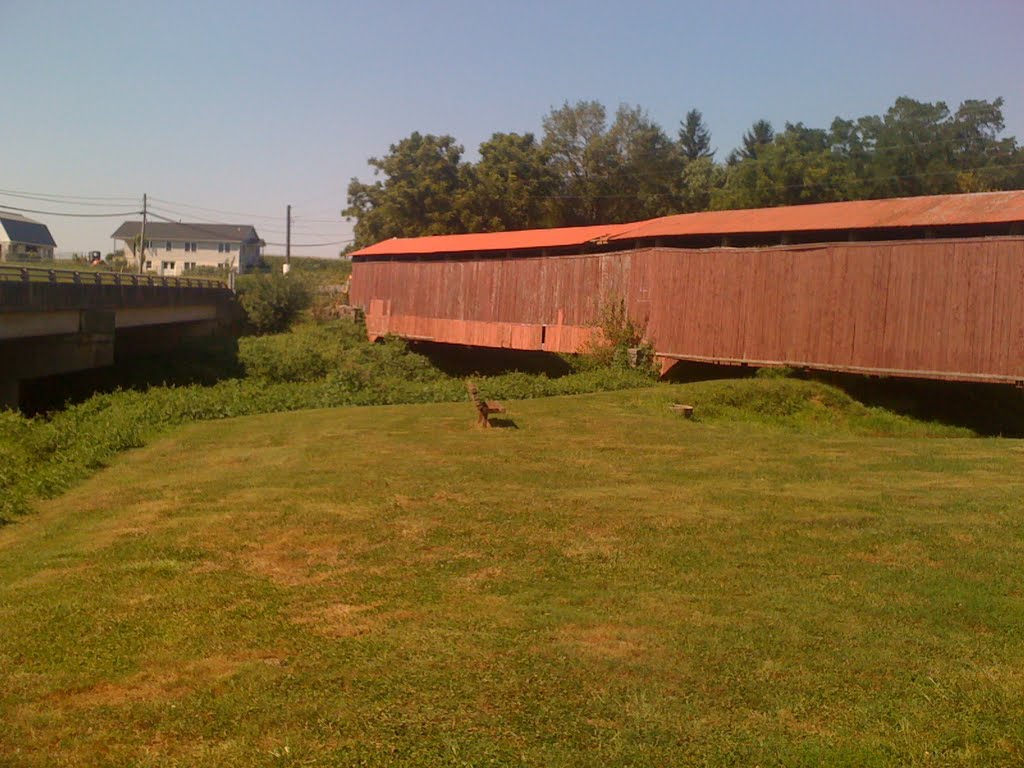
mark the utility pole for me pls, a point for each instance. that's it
(142, 236)
(288, 242)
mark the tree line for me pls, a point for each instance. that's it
(589, 169)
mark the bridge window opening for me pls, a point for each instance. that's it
(543, 334)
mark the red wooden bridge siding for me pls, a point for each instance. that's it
(951, 308)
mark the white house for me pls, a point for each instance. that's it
(176, 248)
(23, 239)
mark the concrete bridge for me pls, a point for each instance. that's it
(60, 321)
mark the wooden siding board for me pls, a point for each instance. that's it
(937, 307)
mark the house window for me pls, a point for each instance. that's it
(227, 247)
(165, 265)
(193, 247)
(149, 265)
(168, 245)
(189, 266)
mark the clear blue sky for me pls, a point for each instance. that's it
(245, 107)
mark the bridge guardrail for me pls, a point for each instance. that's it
(23, 274)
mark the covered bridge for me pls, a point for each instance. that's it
(926, 287)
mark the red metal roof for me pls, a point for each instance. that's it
(930, 211)
(493, 241)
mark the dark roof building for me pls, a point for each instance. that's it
(177, 231)
(22, 239)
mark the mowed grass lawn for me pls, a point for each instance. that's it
(607, 584)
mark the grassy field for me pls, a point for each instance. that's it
(600, 583)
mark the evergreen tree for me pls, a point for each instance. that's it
(760, 135)
(695, 137)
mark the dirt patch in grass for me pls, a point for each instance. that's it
(601, 547)
(607, 641)
(49, 575)
(154, 684)
(480, 578)
(144, 518)
(295, 558)
(342, 620)
(901, 555)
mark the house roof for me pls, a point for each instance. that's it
(892, 213)
(160, 230)
(20, 229)
(493, 241)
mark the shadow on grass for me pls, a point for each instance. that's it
(504, 424)
(988, 409)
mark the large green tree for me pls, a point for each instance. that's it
(642, 165)
(422, 180)
(511, 187)
(609, 173)
(578, 153)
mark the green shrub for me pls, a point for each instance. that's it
(314, 351)
(272, 301)
(619, 343)
(778, 372)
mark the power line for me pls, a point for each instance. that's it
(219, 236)
(72, 215)
(214, 210)
(54, 197)
(60, 202)
(313, 245)
(277, 231)
(175, 208)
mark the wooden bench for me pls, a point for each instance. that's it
(484, 408)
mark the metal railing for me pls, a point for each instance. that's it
(19, 273)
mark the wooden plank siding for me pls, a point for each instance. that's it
(949, 308)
